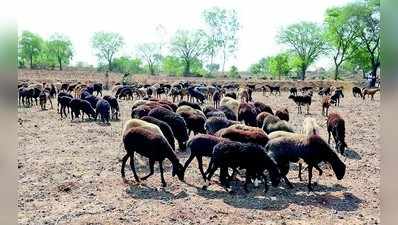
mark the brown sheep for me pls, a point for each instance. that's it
(282, 114)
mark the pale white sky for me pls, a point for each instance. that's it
(137, 20)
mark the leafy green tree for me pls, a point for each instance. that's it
(279, 65)
(150, 53)
(259, 68)
(30, 45)
(341, 34)
(45, 60)
(127, 65)
(306, 40)
(60, 47)
(173, 66)
(233, 72)
(106, 45)
(189, 45)
(224, 26)
(368, 21)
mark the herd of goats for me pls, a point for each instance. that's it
(235, 131)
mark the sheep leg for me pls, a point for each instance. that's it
(328, 137)
(124, 160)
(133, 167)
(161, 173)
(247, 181)
(265, 183)
(319, 170)
(300, 167)
(309, 178)
(200, 164)
(151, 167)
(189, 161)
(51, 103)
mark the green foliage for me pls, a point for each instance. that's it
(172, 66)
(106, 45)
(60, 48)
(127, 65)
(306, 40)
(279, 65)
(30, 47)
(150, 53)
(233, 72)
(259, 68)
(223, 26)
(189, 46)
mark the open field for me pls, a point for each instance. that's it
(69, 173)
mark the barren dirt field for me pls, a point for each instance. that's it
(69, 173)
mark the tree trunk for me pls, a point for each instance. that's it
(223, 61)
(31, 62)
(110, 65)
(60, 63)
(363, 74)
(336, 70)
(151, 69)
(187, 69)
(303, 70)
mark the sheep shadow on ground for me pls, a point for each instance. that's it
(142, 191)
(280, 198)
(351, 154)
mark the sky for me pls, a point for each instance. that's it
(139, 22)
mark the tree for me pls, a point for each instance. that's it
(127, 65)
(224, 26)
(341, 34)
(259, 68)
(189, 45)
(30, 45)
(60, 47)
(279, 65)
(172, 66)
(306, 40)
(106, 45)
(368, 21)
(233, 72)
(150, 52)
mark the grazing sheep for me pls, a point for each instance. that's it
(301, 100)
(370, 92)
(231, 95)
(260, 118)
(86, 108)
(335, 98)
(310, 127)
(336, 126)
(75, 107)
(247, 113)
(293, 91)
(64, 101)
(325, 105)
(103, 109)
(97, 88)
(195, 119)
(114, 106)
(282, 114)
(210, 111)
(202, 145)
(357, 91)
(169, 104)
(140, 111)
(175, 121)
(214, 124)
(135, 123)
(247, 156)
(243, 133)
(274, 89)
(216, 98)
(280, 133)
(230, 103)
(313, 150)
(196, 94)
(229, 113)
(92, 99)
(272, 123)
(261, 107)
(153, 146)
(164, 127)
(192, 104)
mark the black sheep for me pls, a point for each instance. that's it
(231, 94)
(140, 111)
(175, 121)
(260, 118)
(210, 111)
(92, 99)
(97, 88)
(196, 94)
(273, 123)
(301, 100)
(214, 124)
(164, 127)
(282, 114)
(152, 146)
(247, 112)
(293, 91)
(86, 108)
(335, 98)
(75, 107)
(261, 107)
(192, 104)
(64, 101)
(229, 113)
(114, 106)
(199, 146)
(216, 98)
(195, 119)
(356, 91)
(251, 157)
(103, 109)
(312, 150)
(336, 127)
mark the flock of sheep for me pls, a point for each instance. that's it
(235, 131)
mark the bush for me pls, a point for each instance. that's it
(233, 72)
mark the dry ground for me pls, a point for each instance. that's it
(69, 173)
